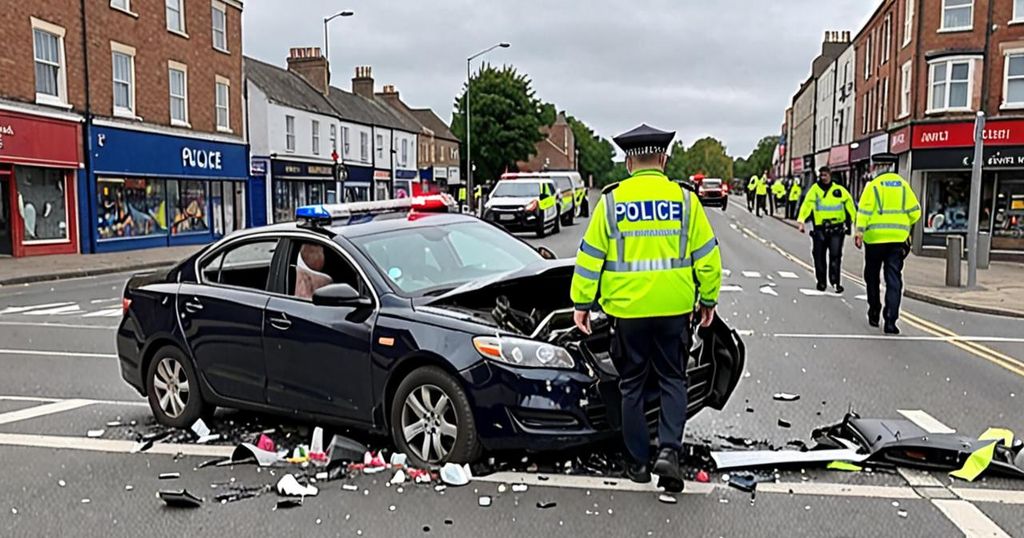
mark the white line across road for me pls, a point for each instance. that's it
(111, 445)
(925, 421)
(21, 309)
(810, 336)
(969, 518)
(47, 325)
(42, 410)
(41, 353)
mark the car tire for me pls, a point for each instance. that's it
(421, 389)
(725, 205)
(172, 406)
(570, 217)
(557, 226)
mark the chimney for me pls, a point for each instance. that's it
(362, 83)
(390, 96)
(308, 63)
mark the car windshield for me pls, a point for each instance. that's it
(434, 259)
(564, 183)
(516, 189)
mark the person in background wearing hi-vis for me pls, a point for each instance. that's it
(751, 192)
(887, 211)
(761, 192)
(832, 208)
(651, 251)
(778, 196)
(795, 191)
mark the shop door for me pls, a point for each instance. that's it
(6, 248)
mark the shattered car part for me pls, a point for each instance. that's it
(248, 452)
(750, 459)
(202, 432)
(290, 487)
(785, 397)
(344, 450)
(180, 498)
(743, 482)
(169, 476)
(288, 503)
(456, 475)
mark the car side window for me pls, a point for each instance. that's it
(244, 266)
(313, 265)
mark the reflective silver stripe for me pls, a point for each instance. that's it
(704, 250)
(649, 233)
(888, 226)
(613, 225)
(915, 208)
(587, 273)
(863, 211)
(821, 207)
(591, 250)
(903, 203)
(647, 265)
(684, 224)
(878, 201)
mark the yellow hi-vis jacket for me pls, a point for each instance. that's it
(762, 186)
(834, 206)
(752, 184)
(795, 191)
(888, 208)
(648, 248)
(778, 189)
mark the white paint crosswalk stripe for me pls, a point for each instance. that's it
(788, 274)
(61, 310)
(729, 287)
(927, 422)
(109, 313)
(752, 274)
(969, 518)
(23, 309)
(42, 410)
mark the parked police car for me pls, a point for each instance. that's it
(526, 205)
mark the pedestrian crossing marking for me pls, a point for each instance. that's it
(69, 309)
(816, 293)
(861, 297)
(109, 313)
(788, 274)
(731, 288)
(768, 290)
(23, 309)
(751, 274)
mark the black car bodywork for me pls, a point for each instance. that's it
(266, 350)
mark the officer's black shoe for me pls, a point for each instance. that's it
(891, 328)
(840, 288)
(821, 287)
(667, 464)
(671, 485)
(638, 472)
(873, 320)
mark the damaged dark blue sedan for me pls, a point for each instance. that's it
(398, 317)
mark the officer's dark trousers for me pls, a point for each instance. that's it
(791, 210)
(887, 257)
(761, 201)
(750, 200)
(827, 249)
(652, 347)
(771, 202)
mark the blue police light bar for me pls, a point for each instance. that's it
(322, 214)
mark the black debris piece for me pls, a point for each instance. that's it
(785, 423)
(291, 502)
(180, 499)
(544, 505)
(449, 522)
(542, 478)
(426, 528)
(210, 463)
(738, 441)
(143, 446)
(798, 444)
(239, 493)
(169, 476)
(743, 482)
(343, 450)
(155, 436)
(750, 410)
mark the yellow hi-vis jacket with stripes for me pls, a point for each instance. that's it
(762, 186)
(834, 206)
(888, 208)
(752, 184)
(648, 248)
(795, 191)
(778, 189)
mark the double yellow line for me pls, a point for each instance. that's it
(974, 348)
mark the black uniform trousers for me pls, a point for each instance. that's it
(791, 206)
(887, 258)
(827, 250)
(645, 347)
(771, 202)
(750, 200)
(761, 201)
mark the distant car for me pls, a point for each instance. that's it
(574, 192)
(525, 205)
(713, 192)
(445, 332)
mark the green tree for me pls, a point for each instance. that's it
(506, 120)
(706, 156)
(617, 173)
(760, 158)
(596, 154)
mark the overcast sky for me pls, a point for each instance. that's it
(726, 68)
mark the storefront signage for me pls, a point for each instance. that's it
(341, 172)
(381, 175)
(839, 156)
(441, 172)
(963, 158)
(961, 134)
(454, 173)
(296, 169)
(257, 167)
(797, 165)
(899, 142)
(138, 153)
(880, 144)
(860, 150)
(38, 141)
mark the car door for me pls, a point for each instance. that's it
(318, 357)
(222, 313)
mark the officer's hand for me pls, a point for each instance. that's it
(582, 320)
(707, 315)
(800, 226)
(858, 240)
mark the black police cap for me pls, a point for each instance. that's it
(884, 158)
(644, 140)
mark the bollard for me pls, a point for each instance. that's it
(984, 249)
(954, 256)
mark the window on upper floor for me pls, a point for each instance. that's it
(957, 15)
(123, 5)
(885, 104)
(315, 130)
(1013, 80)
(908, 20)
(50, 68)
(405, 152)
(887, 39)
(289, 133)
(905, 90)
(364, 147)
(1018, 11)
(434, 151)
(334, 138)
(380, 146)
(346, 149)
(223, 104)
(178, 90)
(123, 78)
(220, 26)
(949, 84)
(867, 57)
(175, 15)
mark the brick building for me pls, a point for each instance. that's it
(438, 156)
(557, 151)
(153, 95)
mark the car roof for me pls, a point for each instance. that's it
(380, 223)
(527, 180)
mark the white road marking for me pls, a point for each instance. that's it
(983, 495)
(43, 399)
(927, 422)
(968, 518)
(110, 300)
(812, 336)
(837, 490)
(56, 325)
(751, 274)
(111, 445)
(811, 293)
(726, 273)
(861, 297)
(20, 309)
(788, 274)
(584, 482)
(57, 353)
(42, 410)
(61, 310)
(768, 290)
(920, 479)
(109, 313)
(731, 288)
(29, 399)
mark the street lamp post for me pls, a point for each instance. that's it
(469, 144)
(346, 13)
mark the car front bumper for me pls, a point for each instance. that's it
(513, 218)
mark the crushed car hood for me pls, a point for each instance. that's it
(541, 270)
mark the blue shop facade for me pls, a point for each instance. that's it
(146, 189)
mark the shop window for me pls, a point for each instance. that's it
(42, 204)
(1013, 83)
(1008, 224)
(188, 198)
(220, 26)
(131, 208)
(947, 199)
(949, 86)
(178, 77)
(223, 104)
(957, 15)
(50, 70)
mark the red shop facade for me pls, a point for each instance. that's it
(941, 157)
(39, 162)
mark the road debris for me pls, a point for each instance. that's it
(844, 466)
(484, 501)
(248, 453)
(667, 499)
(169, 476)
(202, 432)
(238, 493)
(179, 498)
(290, 502)
(519, 488)
(785, 423)
(743, 482)
(785, 397)
(290, 487)
(544, 505)
(94, 434)
(456, 475)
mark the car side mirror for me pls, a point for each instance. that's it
(546, 253)
(339, 295)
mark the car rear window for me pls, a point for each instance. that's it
(712, 183)
(516, 189)
(563, 182)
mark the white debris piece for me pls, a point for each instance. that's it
(290, 487)
(485, 501)
(519, 488)
(93, 434)
(398, 458)
(202, 432)
(317, 446)
(768, 290)
(399, 477)
(456, 475)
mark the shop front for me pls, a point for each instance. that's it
(860, 167)
(150, 190)
(839, 164)
(294, 184)
(796, 166)
(381, 184)
(407, 183)
(39, 161)
(899, 145)
(942, 156)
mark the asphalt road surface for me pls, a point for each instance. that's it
(949, 370)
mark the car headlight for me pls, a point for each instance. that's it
(522, 352)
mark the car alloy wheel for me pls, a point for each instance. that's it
(171, 385)
(430, 425)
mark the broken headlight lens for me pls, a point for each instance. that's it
(522, 352)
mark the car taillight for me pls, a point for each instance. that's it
(725, 188)
(532, 206)
(125, 304)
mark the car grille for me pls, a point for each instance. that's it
(597, 415)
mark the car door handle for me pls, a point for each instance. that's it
(193, 305)
(282, 323)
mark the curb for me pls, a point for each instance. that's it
(941, 301)
(79, 273)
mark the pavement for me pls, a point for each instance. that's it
(957, 370)
(1000, 288)
(63, 266)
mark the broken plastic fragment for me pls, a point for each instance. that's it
(202, 432)
(246, 452)
(702, 477)
(845, 466)
(484, 500)
(784, 423)
(785, 397)
(398, 459)
(289, 486)
(169, 476)
(743, 482)
(266, 443)
(455, 475)
(214, 461)
(142, 446)
(399, 477)
(902, 513)
(667, 499)
(94, 434)
(519, 488)
(350, 487)
(179, 498)
(288, 503)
